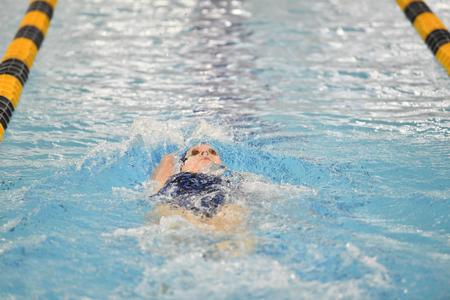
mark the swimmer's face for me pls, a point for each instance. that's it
(199, 158)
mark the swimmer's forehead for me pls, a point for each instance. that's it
(201, 146)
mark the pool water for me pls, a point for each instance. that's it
(333, 112)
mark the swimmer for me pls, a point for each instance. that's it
(194, 192)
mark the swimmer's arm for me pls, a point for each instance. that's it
(164, 170)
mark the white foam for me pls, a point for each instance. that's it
(180, 132)
(98, 157)
(5, 245)
(152, 133)
(373, 239)
(155, 132)
(25, 242)
(391, 226)
(130, 194)
(442, 257)
(260, 187)
(190, 276)
(371, 262)
(10, 224)
(379, 277)
(205, 130)
(167, 237)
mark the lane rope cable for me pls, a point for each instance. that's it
(430, 28)
(16, 64)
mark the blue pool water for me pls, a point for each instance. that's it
(333, 112)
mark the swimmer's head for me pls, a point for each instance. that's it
(200, 158)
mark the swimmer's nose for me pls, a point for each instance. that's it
(205, 153)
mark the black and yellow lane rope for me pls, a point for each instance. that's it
(430, 28)
(19, 57)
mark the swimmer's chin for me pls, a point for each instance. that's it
(206, 167)
(213, 169)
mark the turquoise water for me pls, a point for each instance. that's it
(334, 113)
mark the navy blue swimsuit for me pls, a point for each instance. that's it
(200, 193)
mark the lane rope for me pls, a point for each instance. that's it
(430, 28)
(16, 64)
